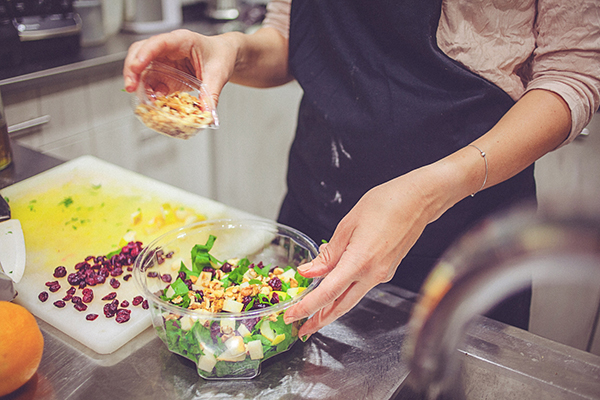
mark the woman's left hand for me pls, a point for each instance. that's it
(367, 246)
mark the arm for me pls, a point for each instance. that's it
(258, 60)
(366, 248)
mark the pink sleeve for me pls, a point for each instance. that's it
(567, 56)
(278, 16)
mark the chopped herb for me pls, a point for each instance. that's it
(66, 202)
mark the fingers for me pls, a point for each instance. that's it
(335, 284)
(174, 45)
(330, 313)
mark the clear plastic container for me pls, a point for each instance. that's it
(173, 103)
(220, 343)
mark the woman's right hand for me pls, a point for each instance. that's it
(211, 59)
(257, 60)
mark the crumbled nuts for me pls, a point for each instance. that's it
(293, 283)
(277, 271)
(178, 114)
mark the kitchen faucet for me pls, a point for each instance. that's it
(490, 263)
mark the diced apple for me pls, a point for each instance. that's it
(228, 355)
(233, 306)
(294, 292)
(227, 324)
(187, 322)
(287, 275)
(170, 292)
(266, 330)
(235, 345)
(255, 349)
(243, 330)
(278, 339)
(136, 217)
(207, 362)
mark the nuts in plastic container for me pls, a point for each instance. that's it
(173, 103)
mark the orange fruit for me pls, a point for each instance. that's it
(21, 346)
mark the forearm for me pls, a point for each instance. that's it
(262, 58)
(537, 124)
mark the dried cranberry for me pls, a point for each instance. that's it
(226, 267)
(166, 278)
(89, 258)
(110, 309)
(77, 300)
(82, 265)
(215, 330)
(124, 304)
(115, 283)
(274, 298)
(209, 269)
(51, 283)
(275, 283)
(127, 277)
(80, 307)
(152, 274)
(87, 295)
(68, 297)
(43, 296)
(137, 300)
(116, 272)
(100, 279)
(73, 279)
(71, 291)
(123, 315)
(59, 303)
(91, 317)
(60, 272)
(110, 296)
(169, 254)
(54, 288)
(145, 305)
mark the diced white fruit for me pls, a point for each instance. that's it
(227, 324)
(187, 322)
(207, 362)
(136, 217)
(243, 330)
(266, 330)
(278, 339)
(287, 275)
(235, 345)
(255, 349)
(294, 292)
(231, 305)
(244, 284)
(170, 292)
(228, 355)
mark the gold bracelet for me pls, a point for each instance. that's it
(486, 169)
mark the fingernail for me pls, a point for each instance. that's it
(305, 338)
(288, 319)
(305, 268)
(128, 82)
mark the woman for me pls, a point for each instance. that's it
(418, 119)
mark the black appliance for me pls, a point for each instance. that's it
(32, 30)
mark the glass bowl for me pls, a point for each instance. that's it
(224, 345)
(173, 103)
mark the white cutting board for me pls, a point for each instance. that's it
(84, 207)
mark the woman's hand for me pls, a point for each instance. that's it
(210, 58)
(367, 246)
(258, 60)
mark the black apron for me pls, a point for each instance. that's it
(380, 99)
